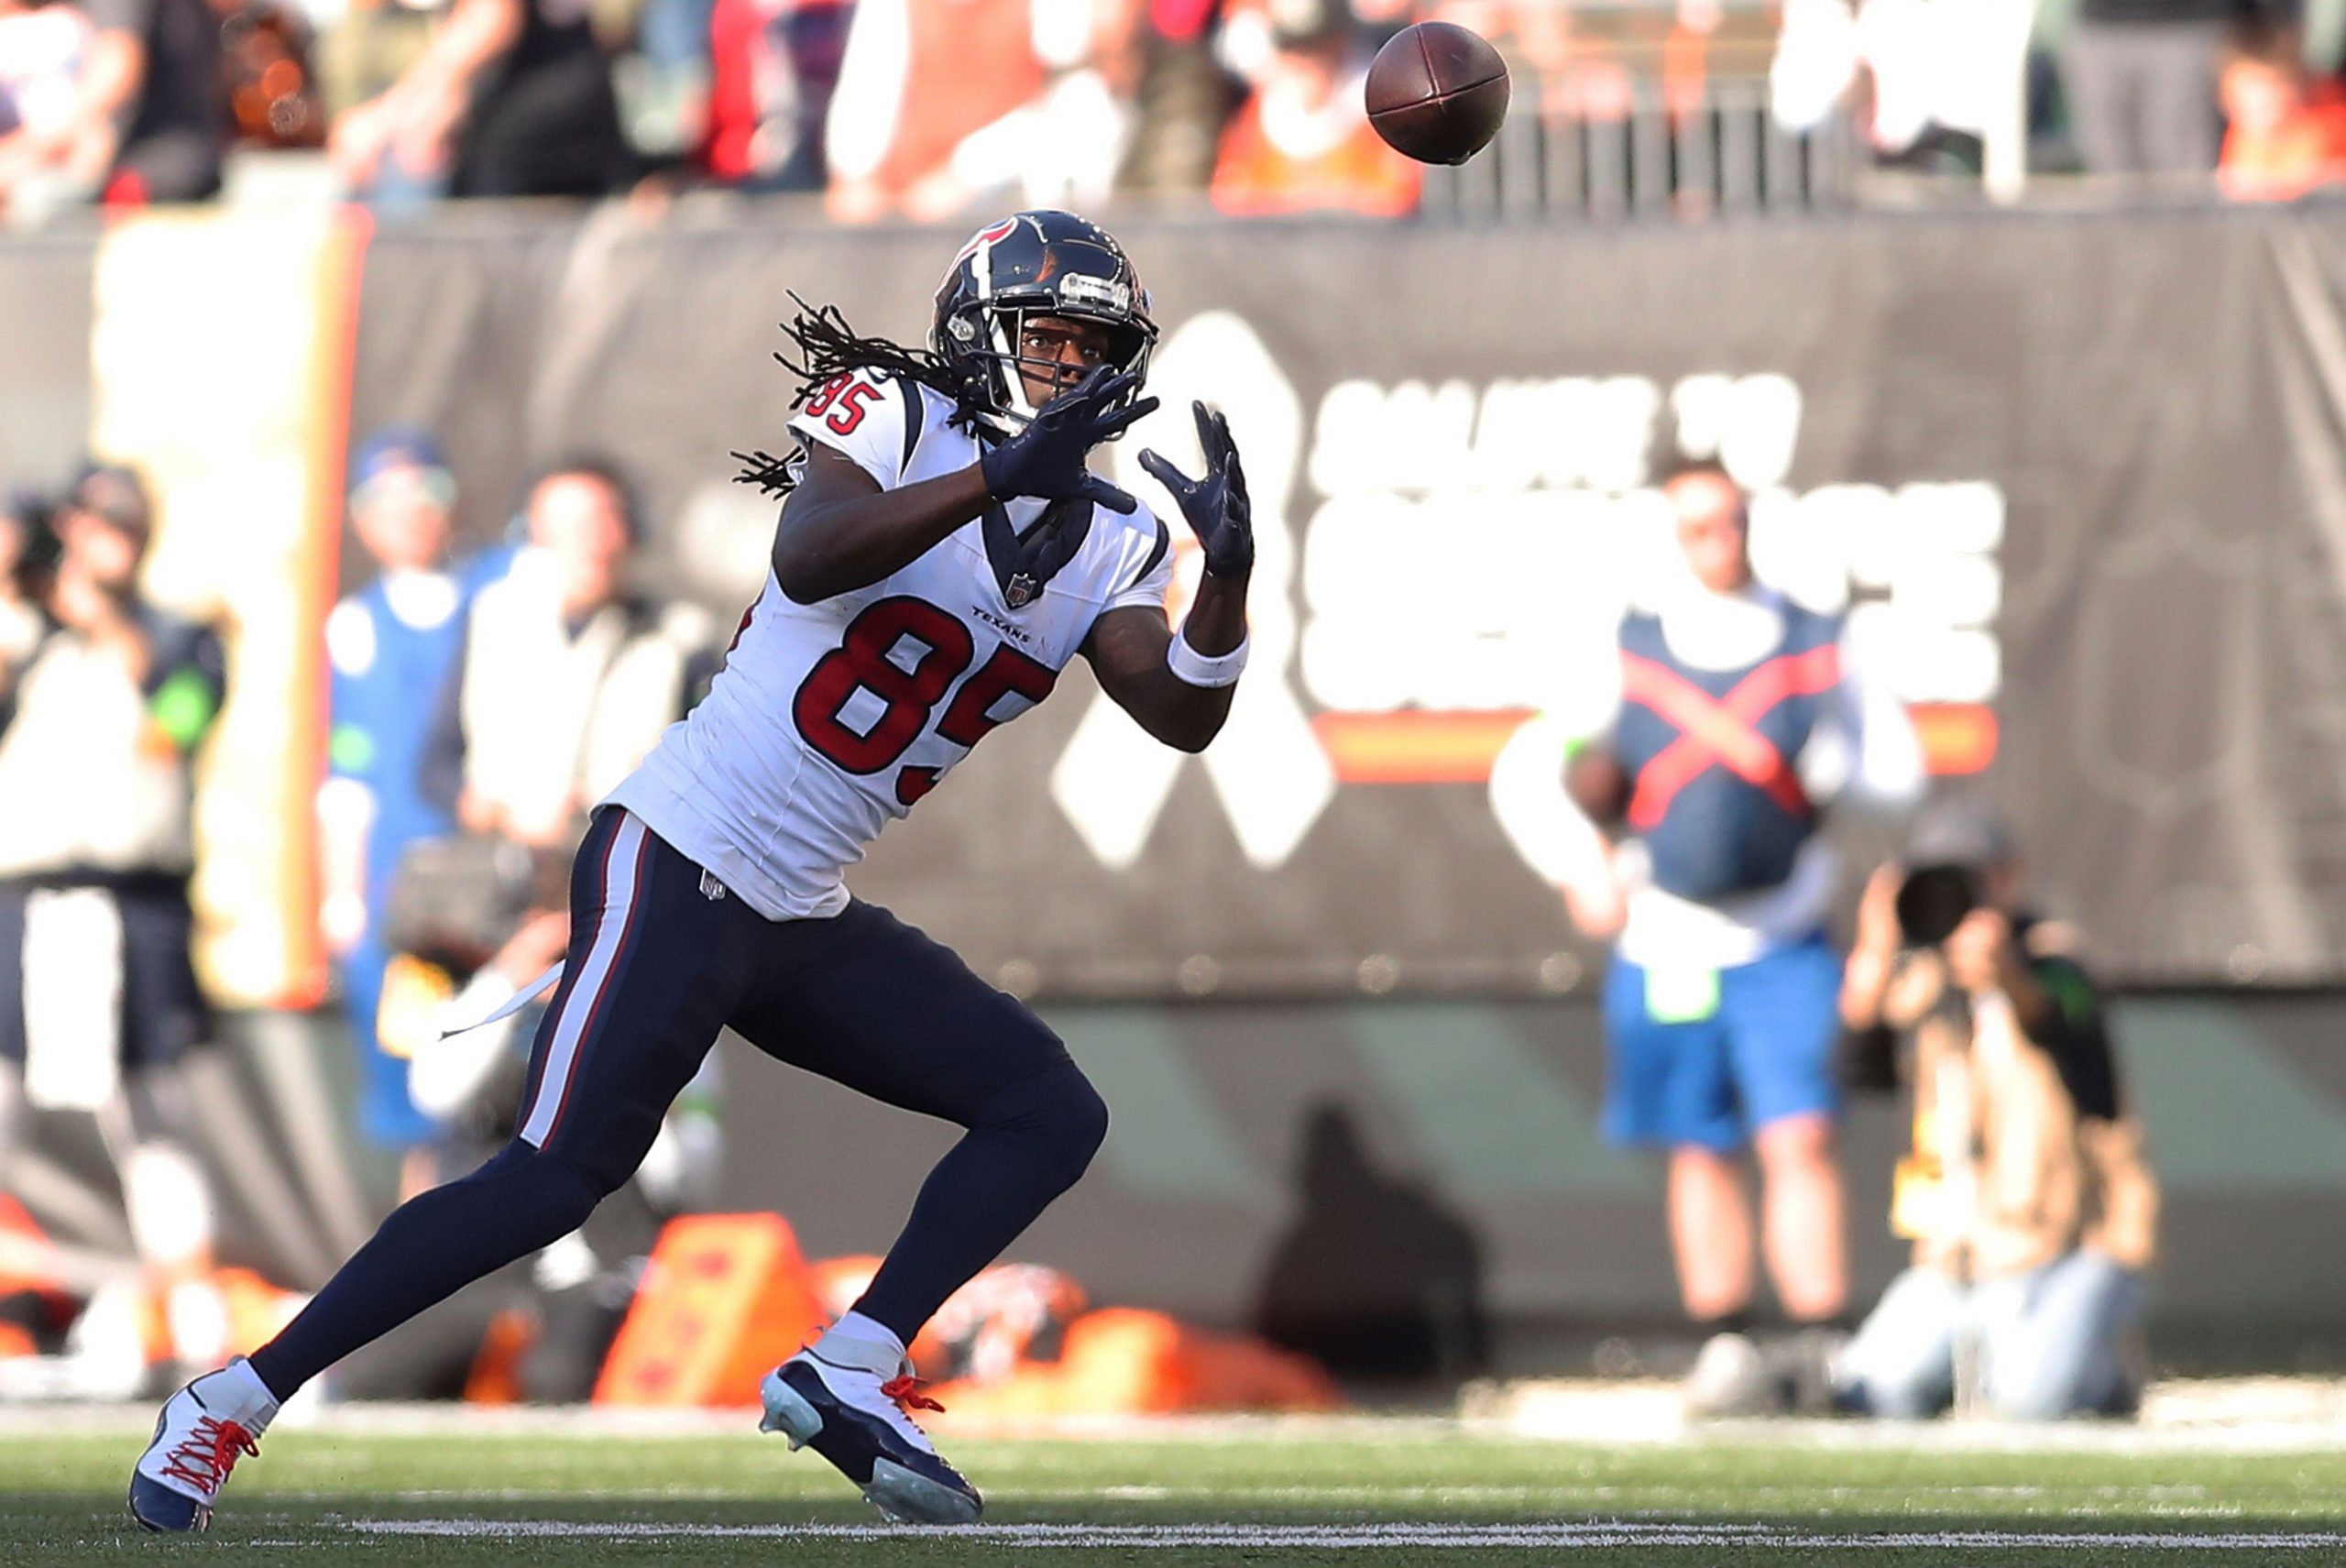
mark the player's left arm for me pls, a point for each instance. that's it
(1178, 685)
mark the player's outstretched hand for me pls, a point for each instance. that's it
(1215, 506)
(1046, 459)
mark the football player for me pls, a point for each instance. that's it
(944, 552)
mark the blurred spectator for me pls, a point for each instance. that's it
(944, 104)
(375, 43)
(1183, 99)
(41, 49)
(2141, 81)
(390, 644)
(1740, 715)
(1303, 141)
(509, 98)
(1063, 147)
(2031, 1205)
(149, 117)
(919, 79)
(1919, 68)
(563, 681)
(1816, 62)
(2287, 134)
(98, 995)
(775, 65)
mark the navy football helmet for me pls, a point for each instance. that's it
(1041, 263)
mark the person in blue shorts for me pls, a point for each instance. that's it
(1738, 716)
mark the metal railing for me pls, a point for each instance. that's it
(1726, 155)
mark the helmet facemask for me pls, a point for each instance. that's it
(1005, 365)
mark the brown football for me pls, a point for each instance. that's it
(1437, 92)
(1599, 785)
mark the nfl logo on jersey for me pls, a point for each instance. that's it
(1021, 591)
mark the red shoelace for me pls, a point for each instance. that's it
(906, 1392)
(209, 1453)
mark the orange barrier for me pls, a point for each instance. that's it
(1123, 1360)
(725, 1298)
(495, 1377)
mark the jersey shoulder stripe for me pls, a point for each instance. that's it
(1155, 553)
(916, 408)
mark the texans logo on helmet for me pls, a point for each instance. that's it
(984, 237)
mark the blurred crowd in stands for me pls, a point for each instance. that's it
(931, 108)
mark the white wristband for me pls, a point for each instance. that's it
(1202, 670)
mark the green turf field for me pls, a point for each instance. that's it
(1357, 1494)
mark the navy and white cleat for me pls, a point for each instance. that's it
(848, 1401)
(204, 1428)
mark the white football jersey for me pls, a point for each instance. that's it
(830, 719)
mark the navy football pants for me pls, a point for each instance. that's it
(661, 959)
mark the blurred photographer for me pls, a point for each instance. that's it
(2029, 1200)
(28, 556)
(100, 725)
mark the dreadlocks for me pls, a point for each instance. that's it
(827, 346)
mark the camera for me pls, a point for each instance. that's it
(34, 514)
(1933, 900)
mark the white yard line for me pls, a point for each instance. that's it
(1323, 1537)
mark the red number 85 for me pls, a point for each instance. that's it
(908, 694)
(845, 397)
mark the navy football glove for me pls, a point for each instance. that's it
(1216, 506)
(1045, 460)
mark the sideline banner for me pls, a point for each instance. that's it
(2076, 480)
(2045, 464)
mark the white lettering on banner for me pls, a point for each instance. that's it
(1444, 572)
(1469, 550)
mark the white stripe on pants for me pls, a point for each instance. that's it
(619, 870)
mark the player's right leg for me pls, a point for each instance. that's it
(870, 1002)
(654, 967)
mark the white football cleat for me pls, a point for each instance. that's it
(204, 1428)
(848, 1401)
